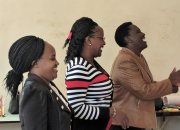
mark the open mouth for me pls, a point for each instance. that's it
(101, 48)
(55, 69)
(143, 39)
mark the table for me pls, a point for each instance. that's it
(159, 113)
(166, 116)
(10, 118)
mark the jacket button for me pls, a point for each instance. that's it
(51, 91)
(62, 107)
(57, 98)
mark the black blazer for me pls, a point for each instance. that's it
(40, 109)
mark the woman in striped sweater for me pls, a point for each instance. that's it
(89, 87)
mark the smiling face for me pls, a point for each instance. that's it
(136, 38)
(46, 66)
(97, 42)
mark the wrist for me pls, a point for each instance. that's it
(111, 112)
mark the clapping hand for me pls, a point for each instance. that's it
(175, 77)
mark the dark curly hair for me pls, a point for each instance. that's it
(21, 55)
(82, 28)
(121, 32)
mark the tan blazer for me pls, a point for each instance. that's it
(135, 90)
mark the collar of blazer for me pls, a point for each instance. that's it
(141, 60)
(60, 103)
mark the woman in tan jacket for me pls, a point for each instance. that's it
(134, 87)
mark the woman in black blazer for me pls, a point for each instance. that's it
(42, 105)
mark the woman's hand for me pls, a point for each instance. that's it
(174, 77)
(120, 118)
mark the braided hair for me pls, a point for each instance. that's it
(121, 32)
(82, 28)
(21, 55)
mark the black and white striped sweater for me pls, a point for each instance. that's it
(89, 91)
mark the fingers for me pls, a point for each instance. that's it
(125, 122)
(125, 125)
(122, 119)
(174, 70)
(175, 77)
(178, 74)
(127, 119)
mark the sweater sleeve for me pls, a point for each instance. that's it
(78, 78)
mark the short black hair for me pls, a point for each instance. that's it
(21, 55)
(82, 28)
(121, 32)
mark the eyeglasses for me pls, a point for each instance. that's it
(103, 38)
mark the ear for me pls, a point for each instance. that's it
(88, 41)
(35, 65)
(127, 39)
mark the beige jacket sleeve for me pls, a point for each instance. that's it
(131, 77)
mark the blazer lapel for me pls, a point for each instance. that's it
(56, 97)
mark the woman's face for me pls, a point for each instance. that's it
(97, 41)
(137, 38)
(47, 64)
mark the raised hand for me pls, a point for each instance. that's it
(174, 77)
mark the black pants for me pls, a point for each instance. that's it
(115, 127)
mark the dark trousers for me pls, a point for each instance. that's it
(115, 127)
